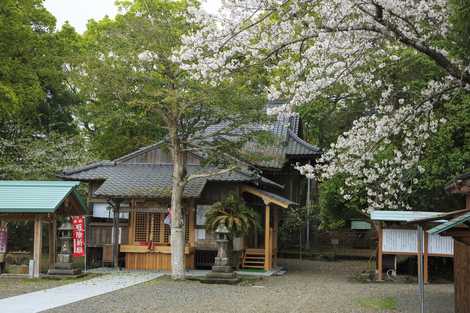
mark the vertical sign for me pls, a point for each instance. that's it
(78, 235)
(3, 239)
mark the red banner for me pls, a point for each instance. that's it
(78, 235)
(3, 240)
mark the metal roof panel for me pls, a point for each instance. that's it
(450, 224)
(401, 216)
(33, 196)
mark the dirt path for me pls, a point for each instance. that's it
(309, 286)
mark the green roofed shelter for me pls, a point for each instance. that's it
(34, 197)
(41, 202)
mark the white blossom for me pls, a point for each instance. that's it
(317, 44)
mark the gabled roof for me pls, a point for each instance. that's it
(138, 152)
(456, 221)
(150, 180)
(36, 196)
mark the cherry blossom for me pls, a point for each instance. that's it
(310, 46)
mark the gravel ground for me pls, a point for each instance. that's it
(13, 286)
(309, 286)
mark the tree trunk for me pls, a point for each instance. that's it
(177, 224)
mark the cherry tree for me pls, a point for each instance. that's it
(310, 46)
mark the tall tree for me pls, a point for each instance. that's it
(317, 47)
(128, 68)
(38, 135)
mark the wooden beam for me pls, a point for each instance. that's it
(52, 242)
(23, 216)
(37, 246)
(267, 256)
(264, 197)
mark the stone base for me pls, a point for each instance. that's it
(59, 277)
(64, 272)
(231, 281)
(63, 266)
(222, 269)
(221, 275)
(221, 278)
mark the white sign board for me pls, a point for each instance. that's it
(201, 214)
(200, 234)
(400, 240)
(440, 245)
(406, 241)
(103, 210)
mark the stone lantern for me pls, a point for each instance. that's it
(64, 257)
(222, 271)
(65, 237)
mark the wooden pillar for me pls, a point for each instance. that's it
(275, 234)
(426, 258)
(378, 227)
(191, 218)
(131, 223)
(267, 241)
(37, 246)
(52, 227)
(116, 235)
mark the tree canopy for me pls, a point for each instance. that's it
(37, 127)
(392, 67)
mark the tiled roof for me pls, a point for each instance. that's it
(149, 180)
(297, 146)
(288, 143)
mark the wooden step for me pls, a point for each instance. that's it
(253, 266)
(253, 258)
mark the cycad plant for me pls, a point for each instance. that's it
(232, 212)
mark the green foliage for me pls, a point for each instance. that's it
(38, 135)
(27, 154)
(447, 155)
(232, 212)
(135, 93)
(33, 88)
(294, 221)
(334, 210)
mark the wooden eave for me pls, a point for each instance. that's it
(267, 197)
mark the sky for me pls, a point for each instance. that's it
(78, 12)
